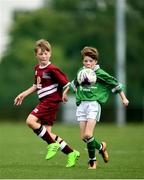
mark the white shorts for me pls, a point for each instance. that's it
(88, 110)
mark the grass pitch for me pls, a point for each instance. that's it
(22, 154)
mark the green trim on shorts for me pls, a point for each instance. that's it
(99, 112)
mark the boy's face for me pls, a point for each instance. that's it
(43, 56)
(88, 62)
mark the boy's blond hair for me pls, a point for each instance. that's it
(91, 52)
(43, 45)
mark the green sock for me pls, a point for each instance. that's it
(97, 144)
(91, 148)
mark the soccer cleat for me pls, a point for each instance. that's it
(92, 164)
(52, 150)
(104, 152)
(72, 157)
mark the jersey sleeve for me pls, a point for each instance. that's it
(110, 81)
(73, 85)
(60, 77)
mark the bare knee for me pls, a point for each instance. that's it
(31, 121)
(87, 136)
(28, 122)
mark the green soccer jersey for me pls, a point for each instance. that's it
(100, 90)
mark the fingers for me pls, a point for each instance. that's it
(18, 101)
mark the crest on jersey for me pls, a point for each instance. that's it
(39, 85)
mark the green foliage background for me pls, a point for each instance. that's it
(69, 26)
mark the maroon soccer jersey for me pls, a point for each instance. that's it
(50, 82)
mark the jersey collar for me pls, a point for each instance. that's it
(42, 67)
(96, 67)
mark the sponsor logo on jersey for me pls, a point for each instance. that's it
(46, 76)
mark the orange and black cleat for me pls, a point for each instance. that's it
(92, 164)
(104, 152)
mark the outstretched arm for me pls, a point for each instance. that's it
(125, 101)
(19, 99)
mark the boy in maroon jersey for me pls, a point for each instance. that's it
(49, 84)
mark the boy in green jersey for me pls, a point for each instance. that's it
(89, 100)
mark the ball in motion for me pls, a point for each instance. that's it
(86, 76)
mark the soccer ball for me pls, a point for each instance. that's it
(86, 76)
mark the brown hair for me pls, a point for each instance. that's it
(91, 52)
(43, 45)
